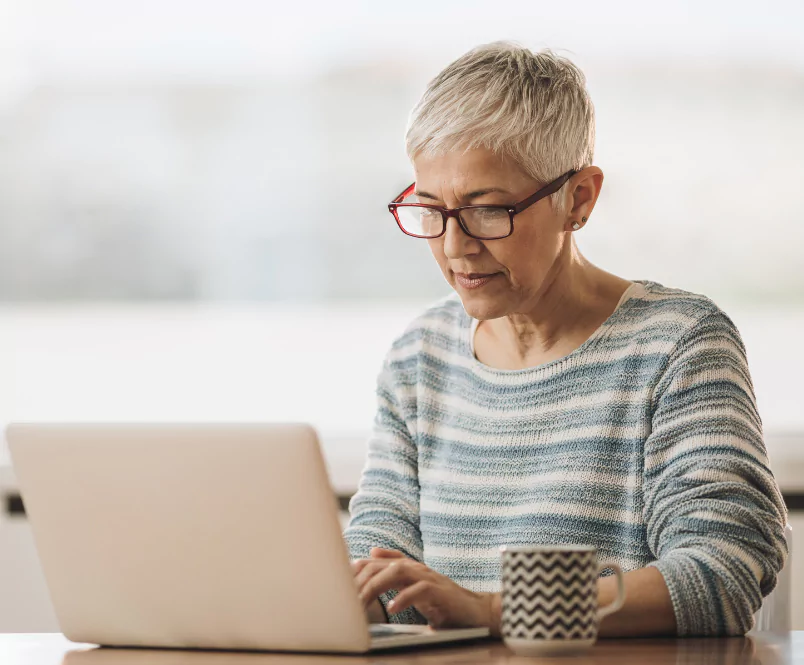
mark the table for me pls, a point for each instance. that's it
(761, 649)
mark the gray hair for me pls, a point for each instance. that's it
(530, 107)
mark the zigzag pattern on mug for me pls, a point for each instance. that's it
(558, 633)
(519, 566)
(575, 556)
(540, 573)
(585, 602)
(552, 595)
(547, 623)
(582, 604)
(540, 625)
(548, 560)
(550, 576)
(570, 594)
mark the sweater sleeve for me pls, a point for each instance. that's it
(715, 516)
(385, 510)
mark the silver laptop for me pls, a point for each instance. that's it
(195, 536)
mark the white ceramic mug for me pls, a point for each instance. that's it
(549, 598)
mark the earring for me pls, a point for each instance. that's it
(576, 226)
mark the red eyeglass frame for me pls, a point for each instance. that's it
(446, 213)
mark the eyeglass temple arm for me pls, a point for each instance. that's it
(544, 191)
(548, 189)
(408, 191)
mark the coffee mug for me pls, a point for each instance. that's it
(549, 598)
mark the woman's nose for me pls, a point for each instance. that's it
(456, 242)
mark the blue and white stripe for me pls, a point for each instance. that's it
(645, 442)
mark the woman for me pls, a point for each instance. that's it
(549, 401)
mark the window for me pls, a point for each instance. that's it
(174, 189)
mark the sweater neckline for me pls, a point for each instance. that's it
(469, 327)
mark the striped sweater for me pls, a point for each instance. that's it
(644, 442)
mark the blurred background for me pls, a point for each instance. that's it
(193, 220)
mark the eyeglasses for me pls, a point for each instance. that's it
(481, 222)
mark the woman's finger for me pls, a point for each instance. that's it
(359, 564)
(393, 575)
(368, 571)
(382, 553)
(376, 553)
(412, 595)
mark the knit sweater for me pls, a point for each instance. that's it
(645, 442)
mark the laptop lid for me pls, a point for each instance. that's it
(189, 535)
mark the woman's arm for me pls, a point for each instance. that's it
(714, 514)
(385, 510)
(648, 609)
(376, 613)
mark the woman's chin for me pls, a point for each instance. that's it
(479, 306)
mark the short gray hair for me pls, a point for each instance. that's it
(530, 107)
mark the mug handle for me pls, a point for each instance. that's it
(618, 602)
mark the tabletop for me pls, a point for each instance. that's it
(760, 649)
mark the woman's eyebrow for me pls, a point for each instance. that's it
(471, 195)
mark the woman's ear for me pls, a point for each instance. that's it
(586, 186)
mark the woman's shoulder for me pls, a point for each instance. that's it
(659, 300)
(671, 314)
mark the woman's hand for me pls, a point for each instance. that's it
(442, 602)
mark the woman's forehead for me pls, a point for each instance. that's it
(462, 171)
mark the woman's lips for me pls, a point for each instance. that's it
(474, 280)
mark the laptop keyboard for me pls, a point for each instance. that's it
(384, 630)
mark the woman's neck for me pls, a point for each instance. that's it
(566, 314)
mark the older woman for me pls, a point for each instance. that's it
(549, 401)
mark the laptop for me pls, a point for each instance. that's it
(196, 536)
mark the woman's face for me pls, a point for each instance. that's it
(518, 267)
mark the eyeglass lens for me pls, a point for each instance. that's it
(481, 222)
